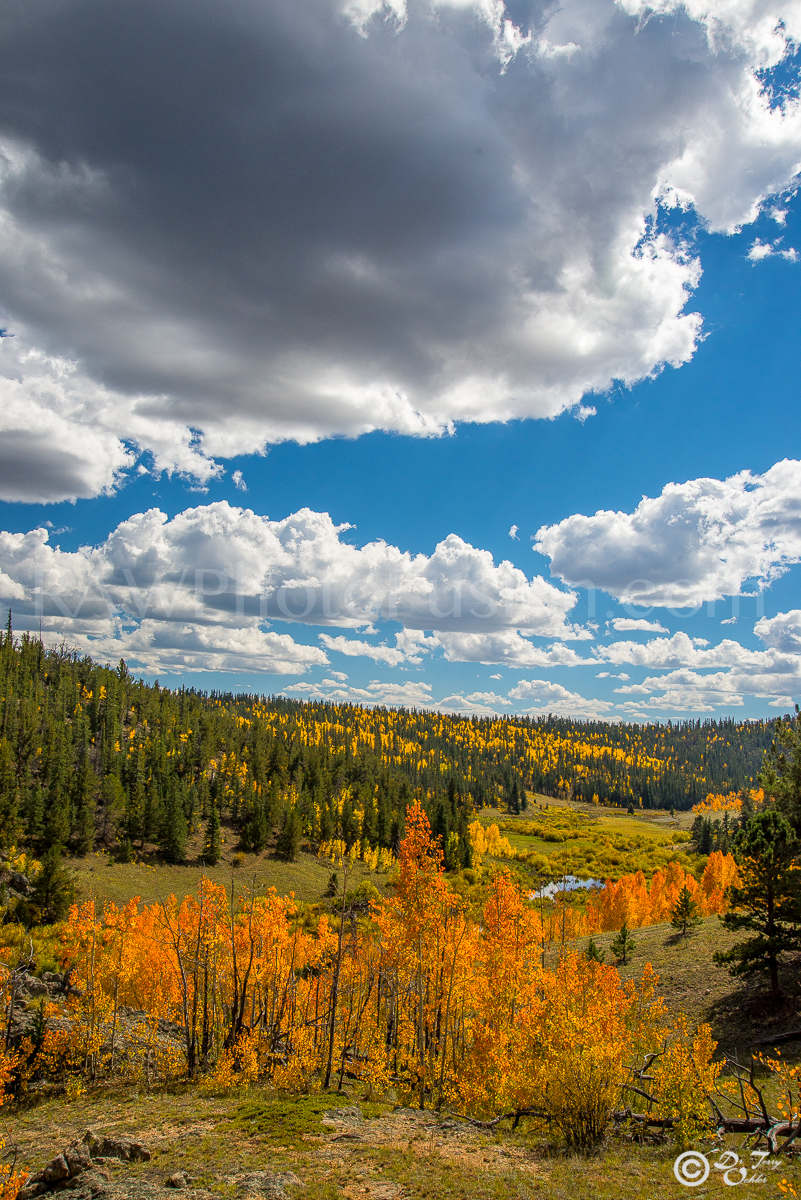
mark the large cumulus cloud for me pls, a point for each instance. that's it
(166, 592)
(224, 226)
(697, 541)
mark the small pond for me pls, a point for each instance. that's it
(566, 883)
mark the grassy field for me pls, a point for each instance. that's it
(343, 1148)
(98, 876)
(656, 818)
(559, 837)
(693, 983)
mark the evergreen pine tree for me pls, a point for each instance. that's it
(623, 945)
(254, 831)
(34, 814)
(594, 952)
(288, 843)
(685, 915)
(173, 833)
(83, 805)
(781, 772)
(53, 891)
(113, 804)
(767, 900)
(212, 846)
(9, 797)
(703, 835)
(125, 851)
(453, 857)
(135, 801)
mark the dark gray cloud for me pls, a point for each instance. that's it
(259, 222)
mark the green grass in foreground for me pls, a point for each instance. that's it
(391, 1153)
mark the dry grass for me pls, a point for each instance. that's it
(389, 1155)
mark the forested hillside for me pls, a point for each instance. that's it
(91, 756)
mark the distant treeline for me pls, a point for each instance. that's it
(91, 756)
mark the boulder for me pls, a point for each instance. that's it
(179, 1179)
(79, 1159)
(125, 1149)
(31, 986)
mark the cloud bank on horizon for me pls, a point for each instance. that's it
(203, 592)
(411, 214)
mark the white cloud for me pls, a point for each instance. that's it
(760, 250)
(697, 541)
(395, 694)
(509, 649)
(230, 569)
(238, 480)
(391, 694)
(636, 625)
(472, 705)
(772, 675)
(686, 691)
(488, 699)
(361, 12)
(782, 632)
(543, 696)
(539, 697)
(501, 263)
(10, 589)
(757, 36)
(700, 677)
(53, 443)
(680, 650)
(513, 533)
(410, 646)
(357, 649)
(163, 647)
(415, 643)
(759, 29)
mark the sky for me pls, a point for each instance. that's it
(440, 353)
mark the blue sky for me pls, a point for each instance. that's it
(510, 299)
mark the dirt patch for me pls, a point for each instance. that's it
(409, 1131)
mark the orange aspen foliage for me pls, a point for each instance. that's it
(639, 902)
(414, 995)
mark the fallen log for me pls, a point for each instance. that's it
(493, 1122)
(772, 1130)
(790, 1035)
